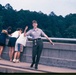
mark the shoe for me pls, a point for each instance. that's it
(36, 67)
(17, 61)
(14, 60)
(32, 65)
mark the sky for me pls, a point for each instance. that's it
(59, 7)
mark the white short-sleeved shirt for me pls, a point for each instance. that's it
(15, 34)
(22, 40)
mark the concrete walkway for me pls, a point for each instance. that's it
(10, 67)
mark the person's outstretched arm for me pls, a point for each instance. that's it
(47, 38)
(25, 30)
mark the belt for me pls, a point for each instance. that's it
(37, 39)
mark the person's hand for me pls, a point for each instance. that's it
(26, 27)
(51, 42)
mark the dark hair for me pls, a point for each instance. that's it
(19, 29)
(9, 28)
(34, 21)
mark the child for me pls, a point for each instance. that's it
(3, 37)
(12, 42)
(9, 30)
(21, 41)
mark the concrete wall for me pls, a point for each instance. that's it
(61, 54)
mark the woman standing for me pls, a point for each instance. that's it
(36, 34)
(3, 36)
(12, 40)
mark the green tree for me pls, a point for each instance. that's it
(71, 32)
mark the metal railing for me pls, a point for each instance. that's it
(58, 39)
(61, 39)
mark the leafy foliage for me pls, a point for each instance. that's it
(52, 25)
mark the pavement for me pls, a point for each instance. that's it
(23, 67)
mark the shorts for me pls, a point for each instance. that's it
(12, 42)
(1, 44)
(19, 47)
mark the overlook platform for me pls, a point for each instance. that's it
(23, 67)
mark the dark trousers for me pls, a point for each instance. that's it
(36, 52)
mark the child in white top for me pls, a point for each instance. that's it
(20, 42)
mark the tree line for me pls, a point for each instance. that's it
(52, 25)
